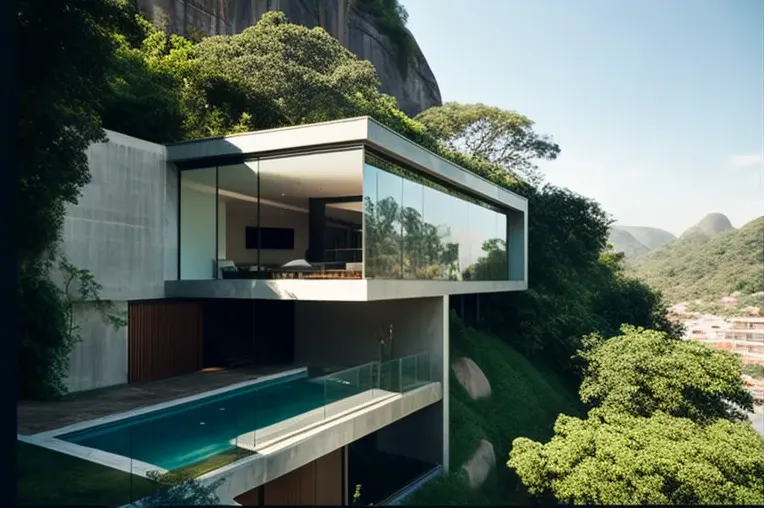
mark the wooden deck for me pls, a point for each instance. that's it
(33, 416)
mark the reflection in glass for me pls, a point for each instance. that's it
(198, 243)
(412, 227)
(388, 226)
(434, 231)
(416, 229)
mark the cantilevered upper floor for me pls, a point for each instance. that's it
(344, 210)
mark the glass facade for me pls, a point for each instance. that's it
(341, 214)
(415, 228)
(295, 216)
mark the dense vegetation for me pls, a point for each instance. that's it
(700, 265)
(663, 428)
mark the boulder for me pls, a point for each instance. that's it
(480, 464)
(471, 378)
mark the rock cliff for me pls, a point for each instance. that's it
(412, 83)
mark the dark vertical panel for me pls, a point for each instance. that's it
(164, 339)
(316, 229)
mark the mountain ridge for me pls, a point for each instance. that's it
(710, 260)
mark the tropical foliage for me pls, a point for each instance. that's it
(504, 138)
(643, 371)
(664, 427)
(620, 459)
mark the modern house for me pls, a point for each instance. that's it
(318, 258)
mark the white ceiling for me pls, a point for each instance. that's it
(290, 181)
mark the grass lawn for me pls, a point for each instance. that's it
(46, 477)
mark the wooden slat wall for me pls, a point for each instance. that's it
(316, 483)
(329, 479)
(249, 498)
(164, 339)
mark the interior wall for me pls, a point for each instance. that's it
(239, 217)
(197, 233)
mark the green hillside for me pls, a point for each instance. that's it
(699, 265)
(525, 401)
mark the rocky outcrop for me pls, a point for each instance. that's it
(471, 377)
(411, 83)
(480, 464)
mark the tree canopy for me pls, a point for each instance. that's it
(505, 138)
(641, 372)
(662, 429)
(620, 459)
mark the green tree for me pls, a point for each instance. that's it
(505, 138)
(641, 372)
(70, 52)
(620, 459)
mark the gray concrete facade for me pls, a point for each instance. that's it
(124, 230)
(100, 359)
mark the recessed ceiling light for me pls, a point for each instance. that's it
(283, 194)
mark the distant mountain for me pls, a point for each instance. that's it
(635, 241)
(713, 224)
(710, 260)
(625, 242)
(652, 238)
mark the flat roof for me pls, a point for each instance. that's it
(362, 131)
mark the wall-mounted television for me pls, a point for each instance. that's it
(269, 238)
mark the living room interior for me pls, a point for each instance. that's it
(298, 216)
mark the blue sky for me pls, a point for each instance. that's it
(658, 106)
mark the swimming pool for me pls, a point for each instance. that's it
(188, 433)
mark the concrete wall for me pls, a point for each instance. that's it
(124, 227)
(100, 359)
(334, 334)
(124, 231)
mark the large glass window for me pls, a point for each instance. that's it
(415, 228)
(293, 216)
(412, 227)
(389, 231)
(198, 228)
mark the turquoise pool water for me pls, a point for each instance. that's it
(192, 432)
